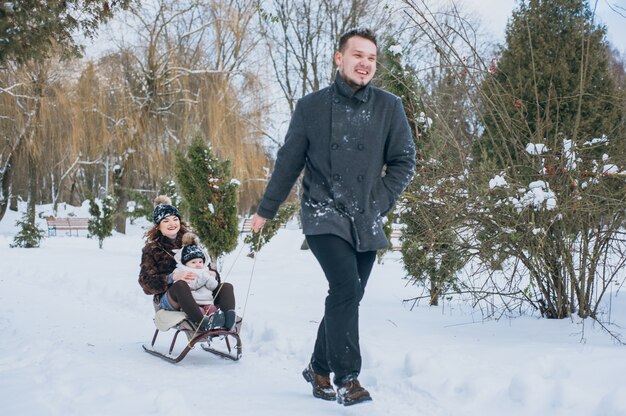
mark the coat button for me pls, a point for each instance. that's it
(360, 178)
(361, 146)
(337, 177)
(336, 100)
(341, 206)
(334, 146)
(361, 211)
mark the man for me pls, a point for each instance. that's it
(344, 136)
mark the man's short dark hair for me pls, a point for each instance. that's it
(360, 32)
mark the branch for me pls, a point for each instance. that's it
(613, 335)
(614, 7)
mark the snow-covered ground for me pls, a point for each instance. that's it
(73, 320)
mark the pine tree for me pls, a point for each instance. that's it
(101, 222)
(210, 194)
(429, 248)
(401, 81)
(30, 234)
(271, 227)
(551, 82)
(31, 28)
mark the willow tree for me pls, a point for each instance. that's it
(31, 118)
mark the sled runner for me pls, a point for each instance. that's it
(230, 343)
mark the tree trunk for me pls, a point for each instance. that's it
(5, 197)
(121, 199)
(12, 202)
(33, 188)
(434, 293)
(559, 305)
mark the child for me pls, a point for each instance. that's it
(192, 258)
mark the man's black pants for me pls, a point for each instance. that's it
(337, 345)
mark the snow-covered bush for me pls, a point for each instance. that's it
(29, 234)
(544, 208)
(102, 213)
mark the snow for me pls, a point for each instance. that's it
(395, 49)
(73, 321)
(538, 196)
(570, 154)
(596, 141)
(536, 148)
(426, 122)
(610, 169)
(498, 181)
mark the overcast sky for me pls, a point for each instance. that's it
(495, 14)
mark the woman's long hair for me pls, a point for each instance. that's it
(154, 234)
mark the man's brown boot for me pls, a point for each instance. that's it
(352, 393)
(322, 389)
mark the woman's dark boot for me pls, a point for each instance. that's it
(211, 322)
(230, 319)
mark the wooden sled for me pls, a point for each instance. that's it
(166, 320)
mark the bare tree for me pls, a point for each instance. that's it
(301, 36)
(185, 75)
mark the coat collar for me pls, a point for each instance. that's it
(168, 244)
(342, 88)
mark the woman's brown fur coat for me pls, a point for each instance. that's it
(157, 262)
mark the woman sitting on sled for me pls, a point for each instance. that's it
(170, 286)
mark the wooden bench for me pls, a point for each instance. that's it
(246, 226)
(66, 224)
(396, 233)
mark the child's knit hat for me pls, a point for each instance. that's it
(191, 248)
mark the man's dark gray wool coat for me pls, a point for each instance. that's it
(343, 139)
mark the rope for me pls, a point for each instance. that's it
(245, 305)
(229, 270)
(243, 313)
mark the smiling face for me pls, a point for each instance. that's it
(357, 61)
(169, 226)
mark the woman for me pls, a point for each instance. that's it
(170, 288)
